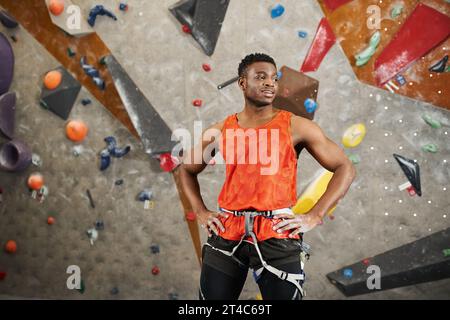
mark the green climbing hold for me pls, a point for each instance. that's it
(447, 69)
(103, 61)
(396, 11)
(43, 104)
(364, 56)
(446, 252)
(430, 148)
(82, 287)
(70, 52)
(432, 122)
(354, 158)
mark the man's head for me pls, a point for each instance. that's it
(258, 79)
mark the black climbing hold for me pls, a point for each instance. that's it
(411, 170)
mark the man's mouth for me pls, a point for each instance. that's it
(268, 93)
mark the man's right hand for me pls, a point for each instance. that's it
(210, 221)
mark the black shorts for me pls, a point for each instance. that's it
(275, 252)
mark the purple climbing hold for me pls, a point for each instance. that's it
(7, 20)
(7, 114)
(15, 156)
(6, 64)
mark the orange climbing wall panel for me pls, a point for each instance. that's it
(349, 23)
(34, 16)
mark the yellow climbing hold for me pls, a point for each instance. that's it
(354, 135)
(259, 296)
(313, 193)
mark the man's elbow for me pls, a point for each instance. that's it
(351, 171)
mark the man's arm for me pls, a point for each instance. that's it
(330, 156)
(193, 164)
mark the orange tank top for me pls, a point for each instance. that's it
(261, 170)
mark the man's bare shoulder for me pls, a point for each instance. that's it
(302, 124)
(305, 130)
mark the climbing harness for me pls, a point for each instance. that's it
(295, 279)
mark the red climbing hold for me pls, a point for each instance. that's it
(50, 220)
(167, 162)
(155, 270)
(191, 216)
(366, 262)
(186, 28)
(2, 275)
(197, 103)
(411, 191)
(206, 67)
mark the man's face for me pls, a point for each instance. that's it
(260, 83)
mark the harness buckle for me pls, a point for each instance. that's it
(283, 275)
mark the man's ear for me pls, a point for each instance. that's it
(242, 84)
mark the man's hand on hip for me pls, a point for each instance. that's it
(210, 221)
(297, 223)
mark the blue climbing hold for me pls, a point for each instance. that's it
(105, 160)
(123, 7)
(111, 142)
(86, 101)
(348, 273)
(114, 151)
(120, 152)
(310, 105)
(279, 75)
(400, 79)
(145, 195)
(277, 11)
(93, 73)
(302, 34)
(99, 10)
(154, 248)
(111, 151)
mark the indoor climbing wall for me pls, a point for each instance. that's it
(110, 207)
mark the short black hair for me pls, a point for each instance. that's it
(252, 58)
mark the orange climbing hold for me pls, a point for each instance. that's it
(76, 130)
(35, 181)
(52, 79)
(11, 246)
(56, 7)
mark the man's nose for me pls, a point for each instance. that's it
(269, 83)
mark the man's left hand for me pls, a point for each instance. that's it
(298, 223)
